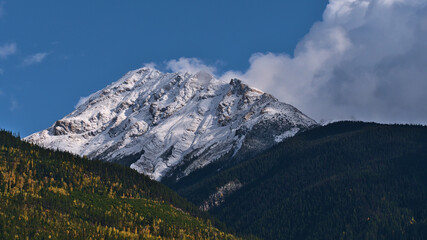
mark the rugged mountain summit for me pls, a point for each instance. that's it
(170, 124)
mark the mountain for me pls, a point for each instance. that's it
(346, 180)
(46, 194)
(167, 125)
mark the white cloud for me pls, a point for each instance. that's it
(151, 65)
(81, 101)
(365, 60)
(36, 58)
(191, 65)
(7, 49)
(1, 71)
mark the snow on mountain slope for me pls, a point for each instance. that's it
(161, 123)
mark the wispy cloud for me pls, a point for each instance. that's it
(151, 65)
(13, 105)
(34, 59)
(81, 101)
(191, 65)
(1, 71)
(7, 49)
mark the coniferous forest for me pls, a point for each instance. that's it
(47, 194)
(346, 180)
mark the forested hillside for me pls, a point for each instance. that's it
(52, 194)
(346, 180)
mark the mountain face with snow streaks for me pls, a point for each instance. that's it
(170, 124)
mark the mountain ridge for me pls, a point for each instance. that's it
(173, 123)
(345, 180)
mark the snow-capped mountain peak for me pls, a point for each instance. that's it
(173, 123)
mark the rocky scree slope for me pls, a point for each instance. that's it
(170, 124)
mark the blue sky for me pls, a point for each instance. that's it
(54, 52)
(332, 59)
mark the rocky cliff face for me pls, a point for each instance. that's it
(219, 196)
(173, 123)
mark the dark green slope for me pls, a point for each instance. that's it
(347, 180)
(51, 194)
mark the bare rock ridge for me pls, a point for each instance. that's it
(173, 123)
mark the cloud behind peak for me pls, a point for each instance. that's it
(364, 60)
